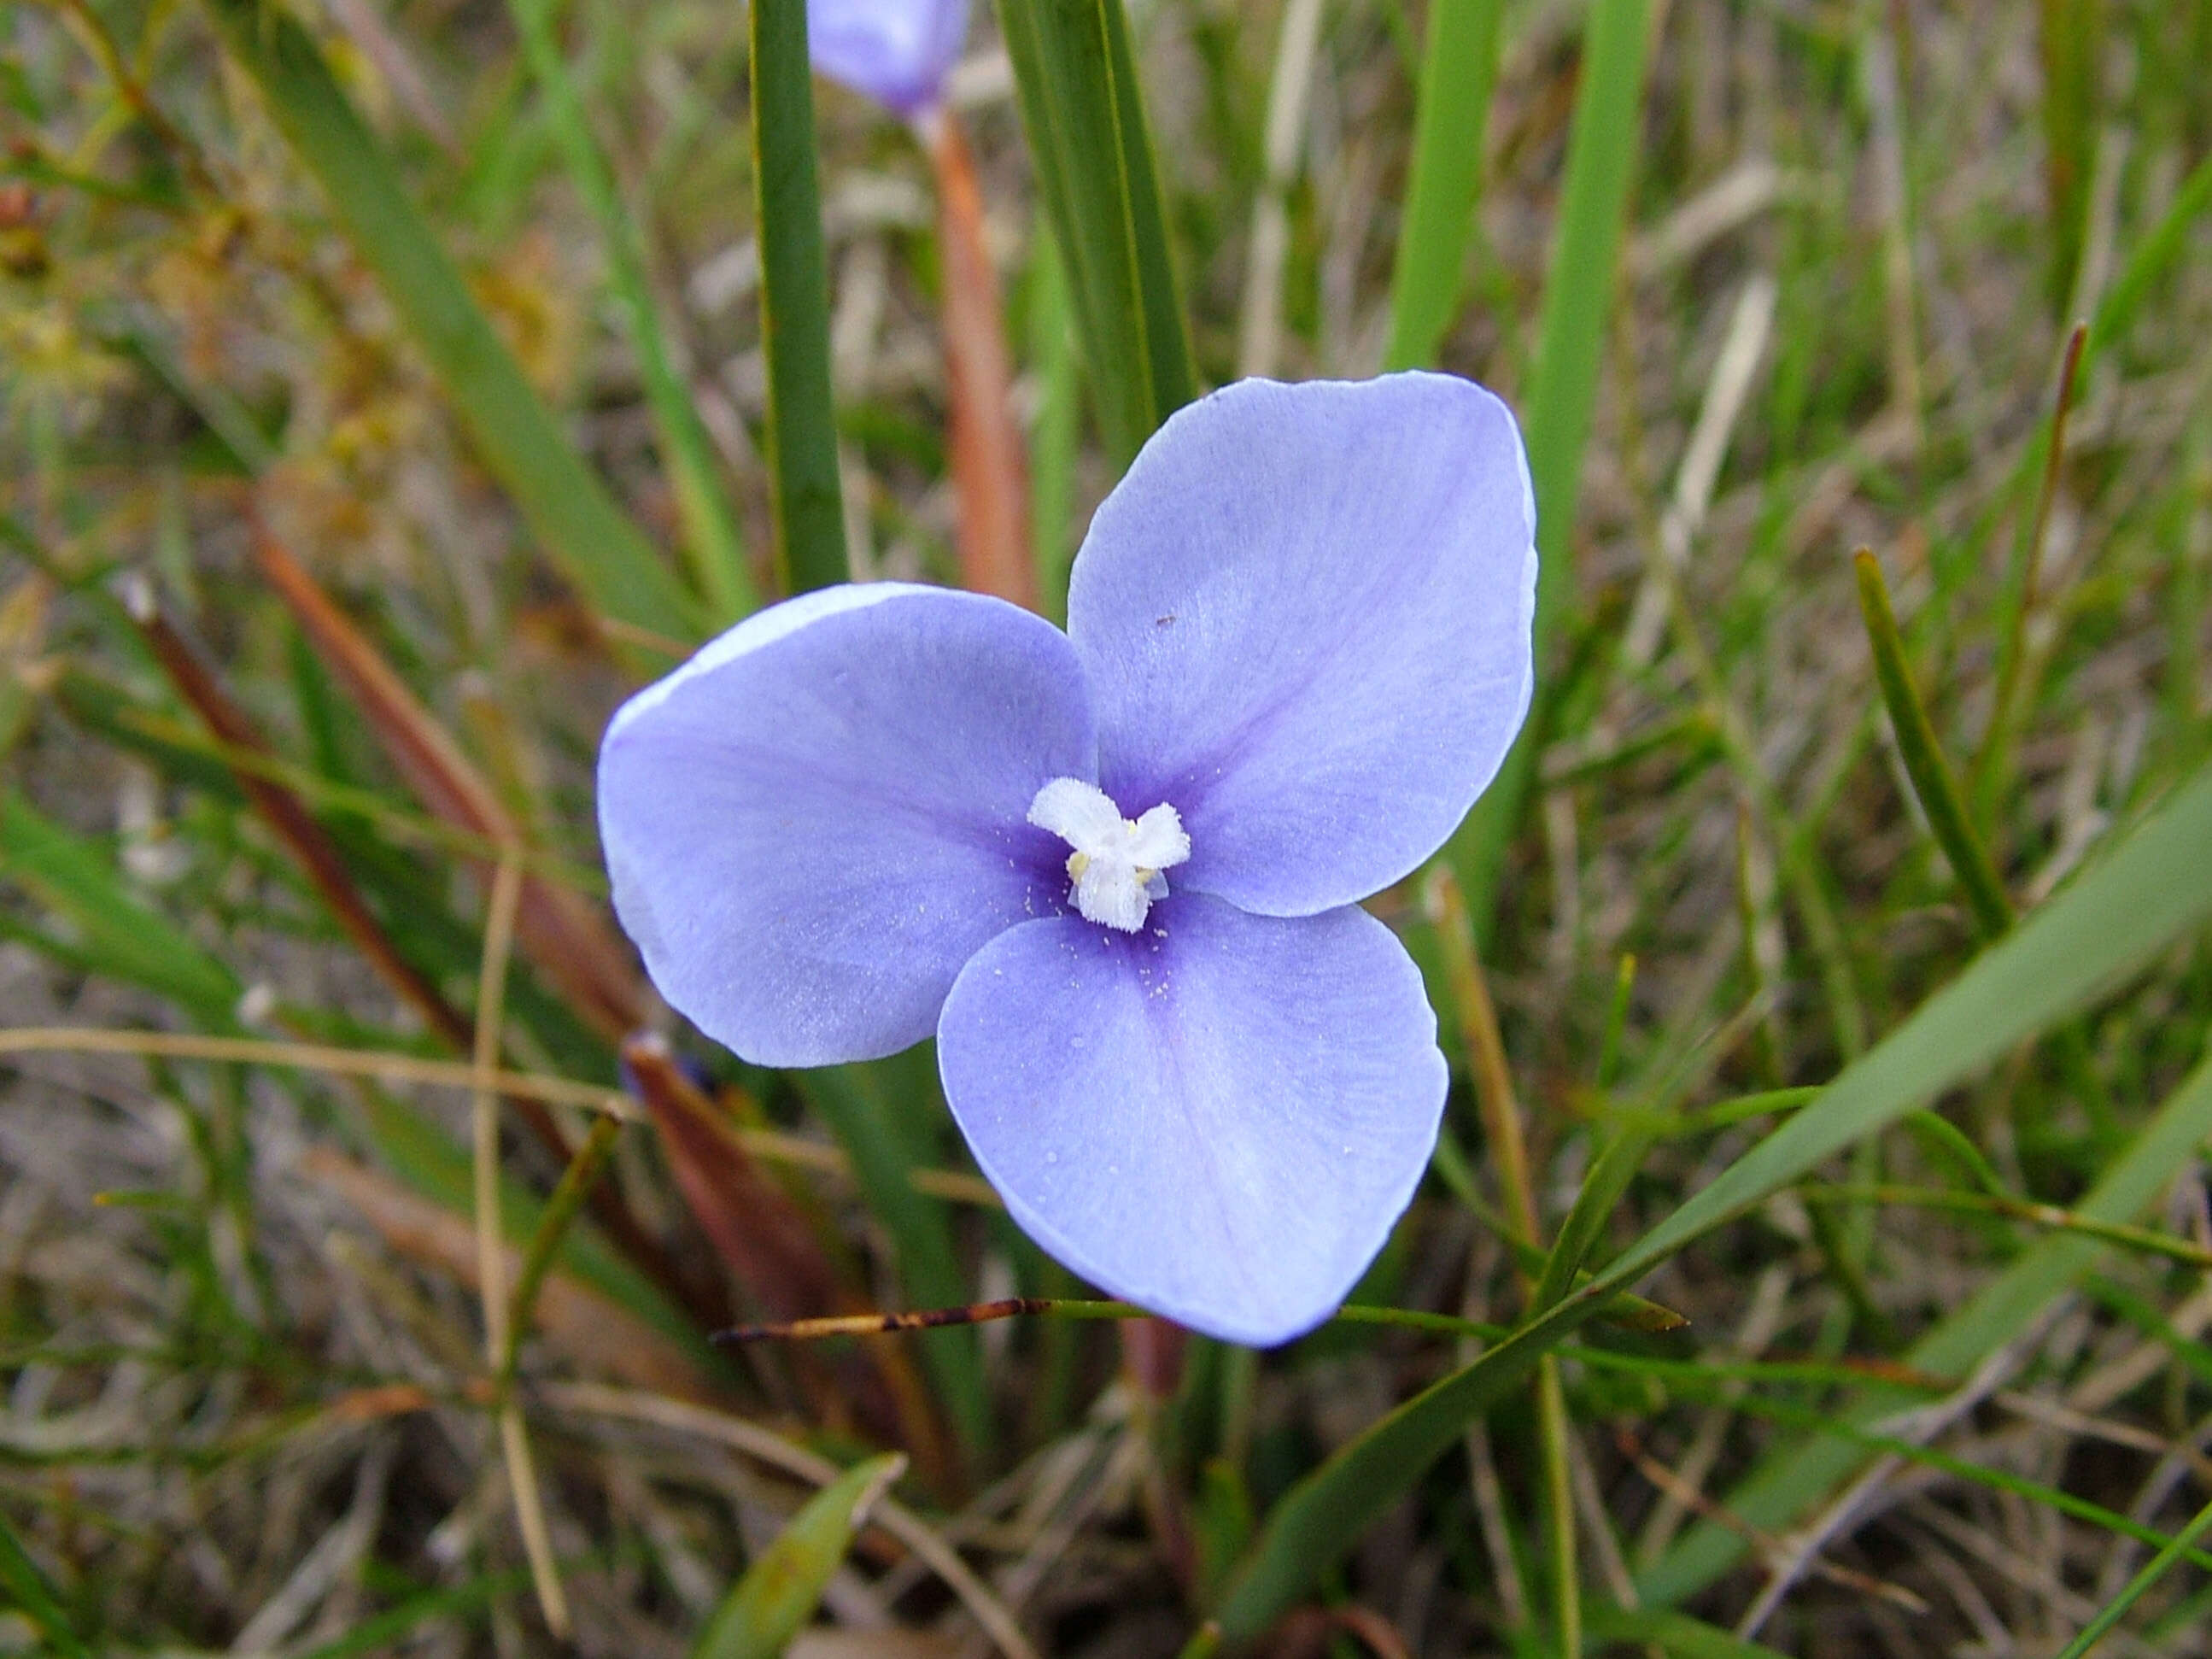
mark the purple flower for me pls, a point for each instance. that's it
(1116, 870)
(896, 51)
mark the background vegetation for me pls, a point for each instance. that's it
(384, 397)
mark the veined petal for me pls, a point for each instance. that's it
(813, 823)
(896, 51)
(1218, 1117)
(1305, 616)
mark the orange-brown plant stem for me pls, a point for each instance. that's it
(310, 846)
(563, 938)
(990, 471)
(319, 859)
(759, 1231)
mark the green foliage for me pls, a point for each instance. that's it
(802, 430)
(1459, 67)
(2138, 899)
(1570, 335)
(1084, 115)
(778, 1594)
(567, 507)
(716, 546)
(1860, 1060)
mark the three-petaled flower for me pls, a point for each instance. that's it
(896, 51)
(1116, 870)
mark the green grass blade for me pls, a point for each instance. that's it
(851, 1100)
(1608, 1178)
(545, 1240)
(1459, 68)
(2148, 892)
(1058, 431)
(2138, 899)
(26, 1591)
(2153, 256)
(430, 1162)
(2155, 1568)
(1675, 1634)
(710, 521)
(2070, 37)
(1800, 1474)
(114, 933)
(1563, 389)
(802, 431)
(1084, 117)
(782, 1588)
(390, 1630)
(1321, 1517)
(1924, 764)
(567, 507)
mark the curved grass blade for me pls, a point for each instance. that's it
(2165, 245)
(27, 1590)
(1798, 1475)
(1922, 753)
(1563, 389)
(567, 507)
(115, 935)
(2153, 1570)
(1083, 114)
(2139, 898)
(1608, 1178)
(780, 1590)
(1675, 1634)
(802, 433)
(710, 522)
(1459, 69)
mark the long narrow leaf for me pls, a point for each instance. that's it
(1084, 117)
(710, 521)
(568, 509)
(1563, 393)
(27, 1590)
(780, 1590)
(2071, 37)
(2144, 894)
(1795, 1476)
(802, 433)
(115, 934)
(1459, 68)
(1924, 764)
(565, 940)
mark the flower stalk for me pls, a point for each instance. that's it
(990, 471)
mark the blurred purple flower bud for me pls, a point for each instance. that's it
(896, 51)
(1116, 870)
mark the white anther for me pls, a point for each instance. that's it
(1115, 871)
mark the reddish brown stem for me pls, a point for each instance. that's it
(990, 471)
(759, 1231)
(560, 934)
(563, 938)
(311, 847)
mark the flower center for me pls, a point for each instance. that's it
(1115, 871)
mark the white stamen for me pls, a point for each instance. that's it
(1115, 871)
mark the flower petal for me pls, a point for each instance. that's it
(896, 51)
(813, 823)
(1306, 615)
(1218, 1117)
